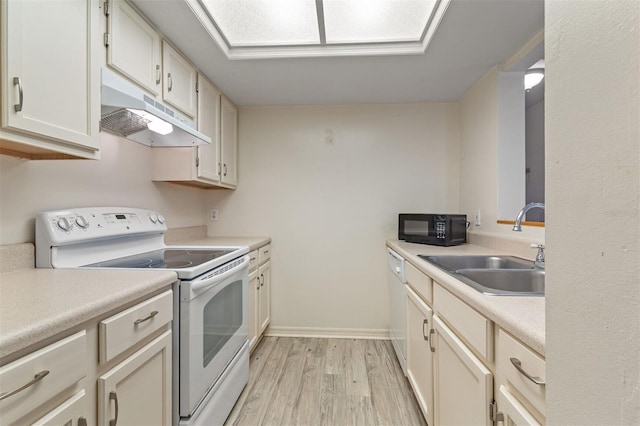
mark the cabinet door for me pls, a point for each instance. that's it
(72, 412)
(264, 294)
(134, 48)
(50, 70)
(419, 355)
(229, 141)
(138, 390)
(463, 386)
(254, 308)
(179, 85)
(514, 413)
(209, 166)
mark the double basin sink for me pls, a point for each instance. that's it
(493, 275)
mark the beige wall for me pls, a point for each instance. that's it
(479, 160)
(329, 207)
(593, 221)
(121, 178)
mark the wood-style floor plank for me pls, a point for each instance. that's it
(325, 382)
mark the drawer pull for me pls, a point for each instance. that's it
(518, 365)
(431, 332)
(158, 74)
(114, 397)
(140, 321)
(39, 376)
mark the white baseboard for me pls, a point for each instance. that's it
(338, 333)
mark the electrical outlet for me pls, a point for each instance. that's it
(214, 215)
(477, 218)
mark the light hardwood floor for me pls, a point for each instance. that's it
(308, 381)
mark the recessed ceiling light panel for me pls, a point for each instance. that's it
(265, 22)
(376, 21)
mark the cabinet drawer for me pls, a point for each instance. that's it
(264, 253)
(421, 283)
(68, 413)
(59, 365)
(475, 329)
(121, 331)
(530, 362)
(253, 260)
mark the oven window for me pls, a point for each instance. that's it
(222, 318)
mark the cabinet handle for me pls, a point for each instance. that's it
(431, 332)
(18, 107)
(225, 169)
(140, 321)
(114, 397)
(219, 167)
(425, 323)
(39, 376)
(262, 280)
(170, 82)
(518, 365)
(266, 252)
(158, 74)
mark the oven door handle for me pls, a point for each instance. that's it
(209, 282)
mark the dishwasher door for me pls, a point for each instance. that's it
(397, 307)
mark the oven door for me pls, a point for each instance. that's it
(213, 328)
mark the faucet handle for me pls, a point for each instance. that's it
(540, 256)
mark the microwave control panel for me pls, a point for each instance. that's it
(441, 229)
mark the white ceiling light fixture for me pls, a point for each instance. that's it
(261, 29)
(534, 75)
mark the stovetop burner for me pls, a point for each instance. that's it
(164, 259)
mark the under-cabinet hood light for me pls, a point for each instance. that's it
(129, 112)
(154, 123)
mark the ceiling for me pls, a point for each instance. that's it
(474, 35)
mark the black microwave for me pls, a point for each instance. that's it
(432, 228)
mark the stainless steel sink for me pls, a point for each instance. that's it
(493, 275)
(504, 282)
(454, 263)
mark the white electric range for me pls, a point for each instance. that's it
(210, 351)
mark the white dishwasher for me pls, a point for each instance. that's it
(397, 308)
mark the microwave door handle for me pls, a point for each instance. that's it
(214, 280)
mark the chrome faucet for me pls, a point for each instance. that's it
(524, 211)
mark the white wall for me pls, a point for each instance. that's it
(593, 219)
(330, 206)
(121, 178)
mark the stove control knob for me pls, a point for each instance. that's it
(82, 222)
(153, 217)
(160, 218)
(64, 224)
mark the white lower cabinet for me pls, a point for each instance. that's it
(115, 371)
(472, 360)
(419, 354)
(138, 390)
(259, 293)
(463, 386)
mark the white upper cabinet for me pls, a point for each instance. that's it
(179, 83)
(50, 78)
(229, 142)
(133, 46)
(208, 168)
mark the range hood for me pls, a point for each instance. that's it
(129, 112)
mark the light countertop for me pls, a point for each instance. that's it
(36, 304)
(523, 317)
(252, 242)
